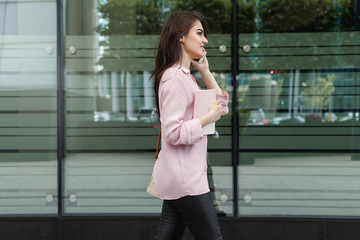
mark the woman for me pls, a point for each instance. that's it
(180, 172)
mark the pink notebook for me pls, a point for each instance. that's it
(203, 100)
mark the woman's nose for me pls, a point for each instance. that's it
(205, 41)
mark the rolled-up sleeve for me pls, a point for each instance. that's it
(224, 101)
(177, 126)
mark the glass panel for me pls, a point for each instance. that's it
(111, 121)
(28, 108)
(299, 108)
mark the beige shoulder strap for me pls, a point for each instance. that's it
(158, 145)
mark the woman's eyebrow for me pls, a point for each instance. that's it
(199, 29)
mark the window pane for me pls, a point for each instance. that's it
(111, 119)
(299, 109)
(112, 125)
(28, 108)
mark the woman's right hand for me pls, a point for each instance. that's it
(215, 110)
(214, 114)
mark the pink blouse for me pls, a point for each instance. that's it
(181, 168)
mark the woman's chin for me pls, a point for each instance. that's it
(199, 56)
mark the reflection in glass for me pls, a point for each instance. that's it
(111, 119)
(28, 109)
(298, 100)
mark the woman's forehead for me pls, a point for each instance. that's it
(197, 25)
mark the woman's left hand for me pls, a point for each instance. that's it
(201, 66)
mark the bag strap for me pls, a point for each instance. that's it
(157, 147)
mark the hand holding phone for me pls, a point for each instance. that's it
(202, 58)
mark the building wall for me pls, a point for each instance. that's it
(78, 124)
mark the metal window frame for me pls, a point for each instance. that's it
(60, 104)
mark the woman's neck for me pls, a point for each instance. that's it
(185, 60)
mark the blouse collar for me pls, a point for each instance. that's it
(184, 69)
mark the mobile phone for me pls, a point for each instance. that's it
(202, 58)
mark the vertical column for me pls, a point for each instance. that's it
(115, 92)
(235, 117)
(129, 100)
(60, 104)
(355, 155)
(148, 93)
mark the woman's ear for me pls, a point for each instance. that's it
(182, 40)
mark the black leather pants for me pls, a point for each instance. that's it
(195, 212)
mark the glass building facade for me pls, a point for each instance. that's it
(78, 124)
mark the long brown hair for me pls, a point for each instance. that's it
(176, 25)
